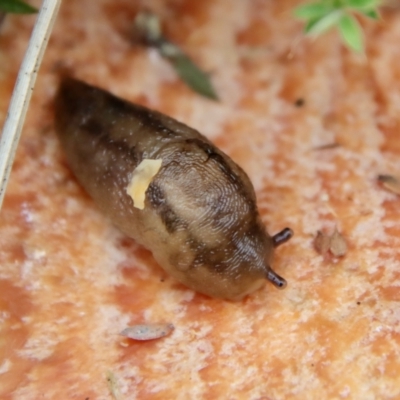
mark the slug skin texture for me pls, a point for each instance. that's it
(200, 218)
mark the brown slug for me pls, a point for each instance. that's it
(199, 215)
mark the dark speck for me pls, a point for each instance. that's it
(358, 303)
(299, 102)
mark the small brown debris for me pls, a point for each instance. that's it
(264, 398)
(327, 146)
(334, 243)
(322, 242)
(390, 182)
(338, 245)
(147, 331)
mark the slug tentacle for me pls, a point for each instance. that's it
(168, 187)
(282, 237)
(276, 280)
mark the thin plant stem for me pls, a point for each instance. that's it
(2, 17)
(23, 89)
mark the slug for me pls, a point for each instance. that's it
(198, 213)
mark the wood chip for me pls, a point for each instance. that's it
(334, 243)
(147, 331)
(390, 182)
(113, 385)
(141, 179)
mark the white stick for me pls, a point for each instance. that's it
(23, 89)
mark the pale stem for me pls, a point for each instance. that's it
(23, 89)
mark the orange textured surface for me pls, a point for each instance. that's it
(70, 282)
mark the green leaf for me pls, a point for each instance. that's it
(147, 29)
(363, 4)
(312, 11)
(351, 33)
(373, 14)
(193, 76)
(16, 7)
(318, 26)
(188, 71)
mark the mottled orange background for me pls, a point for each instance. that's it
(70, 282)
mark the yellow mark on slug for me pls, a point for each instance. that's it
(141, 179)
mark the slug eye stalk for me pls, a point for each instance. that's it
(276, 280)
(282, 237)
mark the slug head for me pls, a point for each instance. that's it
(217, 243)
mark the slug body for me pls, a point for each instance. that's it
(200, 217)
